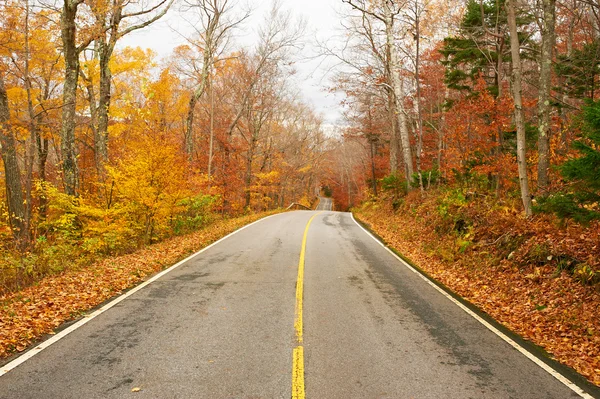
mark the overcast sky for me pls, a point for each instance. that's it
(322, 20)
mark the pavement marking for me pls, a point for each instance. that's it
(34, 351)
(554, 373)
(298, 353)
(298, 373)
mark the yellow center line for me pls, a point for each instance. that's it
(298, 354)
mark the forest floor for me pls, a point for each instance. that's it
(27, 315)
(536, 276)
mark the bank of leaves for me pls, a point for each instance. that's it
(537, 276)
(29, 314)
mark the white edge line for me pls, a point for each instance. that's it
(571, 385)
(37, 349)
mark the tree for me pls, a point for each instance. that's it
(261, 83)
(213, 33)
(14, 188)
(515, 48)
(110, 16)
(479, 48)
(71, 51)
(547, 25)
(414, 19)
(579, 70)
(581, 198)
(365, 67)
(387, 13)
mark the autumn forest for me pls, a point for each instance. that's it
(471, 127)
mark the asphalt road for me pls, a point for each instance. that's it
(325, 204)
(222, 326)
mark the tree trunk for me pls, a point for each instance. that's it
(105, 51)
(189, 122)
(565, 97)
(210, 42)
(93, 124)
(518, 107)
(248, 176)
(418, 101)
(372, 153)
(212, 129)
(33, 129)
(440, 141)
(544, 107)
(394, 145)
(371, 139)
(14, 189)
(393, 134)
(398, 94)
(67, 132)
(109, 33)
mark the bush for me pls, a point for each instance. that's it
(395, 186)
(430, 177)
(197, 212)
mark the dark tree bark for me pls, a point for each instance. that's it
(71, 55)
(547, 24)
(14, 189)
(109, 27)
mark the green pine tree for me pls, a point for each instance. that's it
(581, 202)
(475, 50)
(579, 71)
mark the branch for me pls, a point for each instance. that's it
(362, 9)
(148, 22)
(143, 12)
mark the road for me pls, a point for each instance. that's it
(226, 324)
(325, 204)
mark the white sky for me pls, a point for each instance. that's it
(312, 78)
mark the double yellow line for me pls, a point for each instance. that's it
(298, 353)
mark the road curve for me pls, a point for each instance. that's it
(222, 326)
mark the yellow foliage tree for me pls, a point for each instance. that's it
(149, 183)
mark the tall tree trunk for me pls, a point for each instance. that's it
(33, 128)
(109, 24)
(371, 138)
(394, 145)
(93, 105)
(418, 99)
(393, 133)
(499, 80)
(518, 107)
(189, 122)
(544, 107)
(565, 96)
(211, 40)
(212, 129)
(67, 132)
(398, 94)
(105, 51)
(248, 175)
(372, 155)
(14, 189)
(42, 147)
(441, 129)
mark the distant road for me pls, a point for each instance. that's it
(243, 319)
(325, 204)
